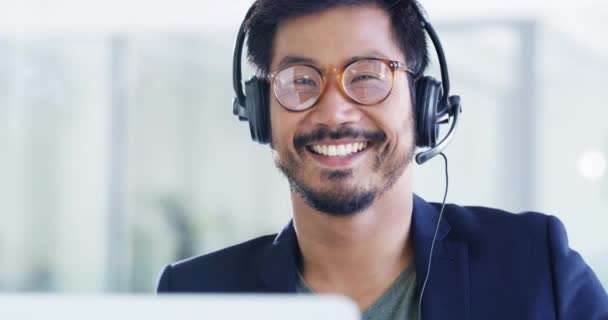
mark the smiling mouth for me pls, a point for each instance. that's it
(338, 150)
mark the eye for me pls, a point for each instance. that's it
(363, 77)
(306, 81)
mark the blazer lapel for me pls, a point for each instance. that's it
(446, 295)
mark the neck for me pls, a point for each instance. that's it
(372, 247)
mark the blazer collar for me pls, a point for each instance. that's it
(446, 295)
(424, 220)
(280, 262)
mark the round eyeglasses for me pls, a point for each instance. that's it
(367, 81)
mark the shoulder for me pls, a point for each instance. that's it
(502, 237)
(477, 222)
(226, 270)
(529, 248)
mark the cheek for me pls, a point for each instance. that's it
(275, 126)
(399, 108)
(405, 110)
(404, 98)
(282, 124)
(397, 113)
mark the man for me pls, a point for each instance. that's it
(341, 76)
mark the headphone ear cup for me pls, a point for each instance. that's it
(428, 95)
(258, 112)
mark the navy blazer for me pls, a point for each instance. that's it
(487, 264)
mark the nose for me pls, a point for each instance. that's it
(335, 108)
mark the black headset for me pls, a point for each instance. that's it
(432, 104)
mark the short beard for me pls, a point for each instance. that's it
(341, 202)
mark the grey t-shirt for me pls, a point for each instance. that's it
(398, 302)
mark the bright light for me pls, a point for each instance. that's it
(592, 165)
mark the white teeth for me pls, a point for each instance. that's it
(349, 148)
(339, 150)
(332, 150)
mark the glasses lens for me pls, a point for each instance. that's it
(368, 81)
(298, 88)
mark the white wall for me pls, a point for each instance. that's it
(182, 142)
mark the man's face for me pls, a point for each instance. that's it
(342, 184)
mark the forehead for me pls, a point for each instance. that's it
(333, 37)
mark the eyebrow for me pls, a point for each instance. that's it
(289, 60)
(294, 59)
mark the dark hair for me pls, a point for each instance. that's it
(268, 14)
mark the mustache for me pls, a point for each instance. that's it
(321, 133)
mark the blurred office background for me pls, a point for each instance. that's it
(119, 152)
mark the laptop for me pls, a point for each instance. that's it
(142, 307)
